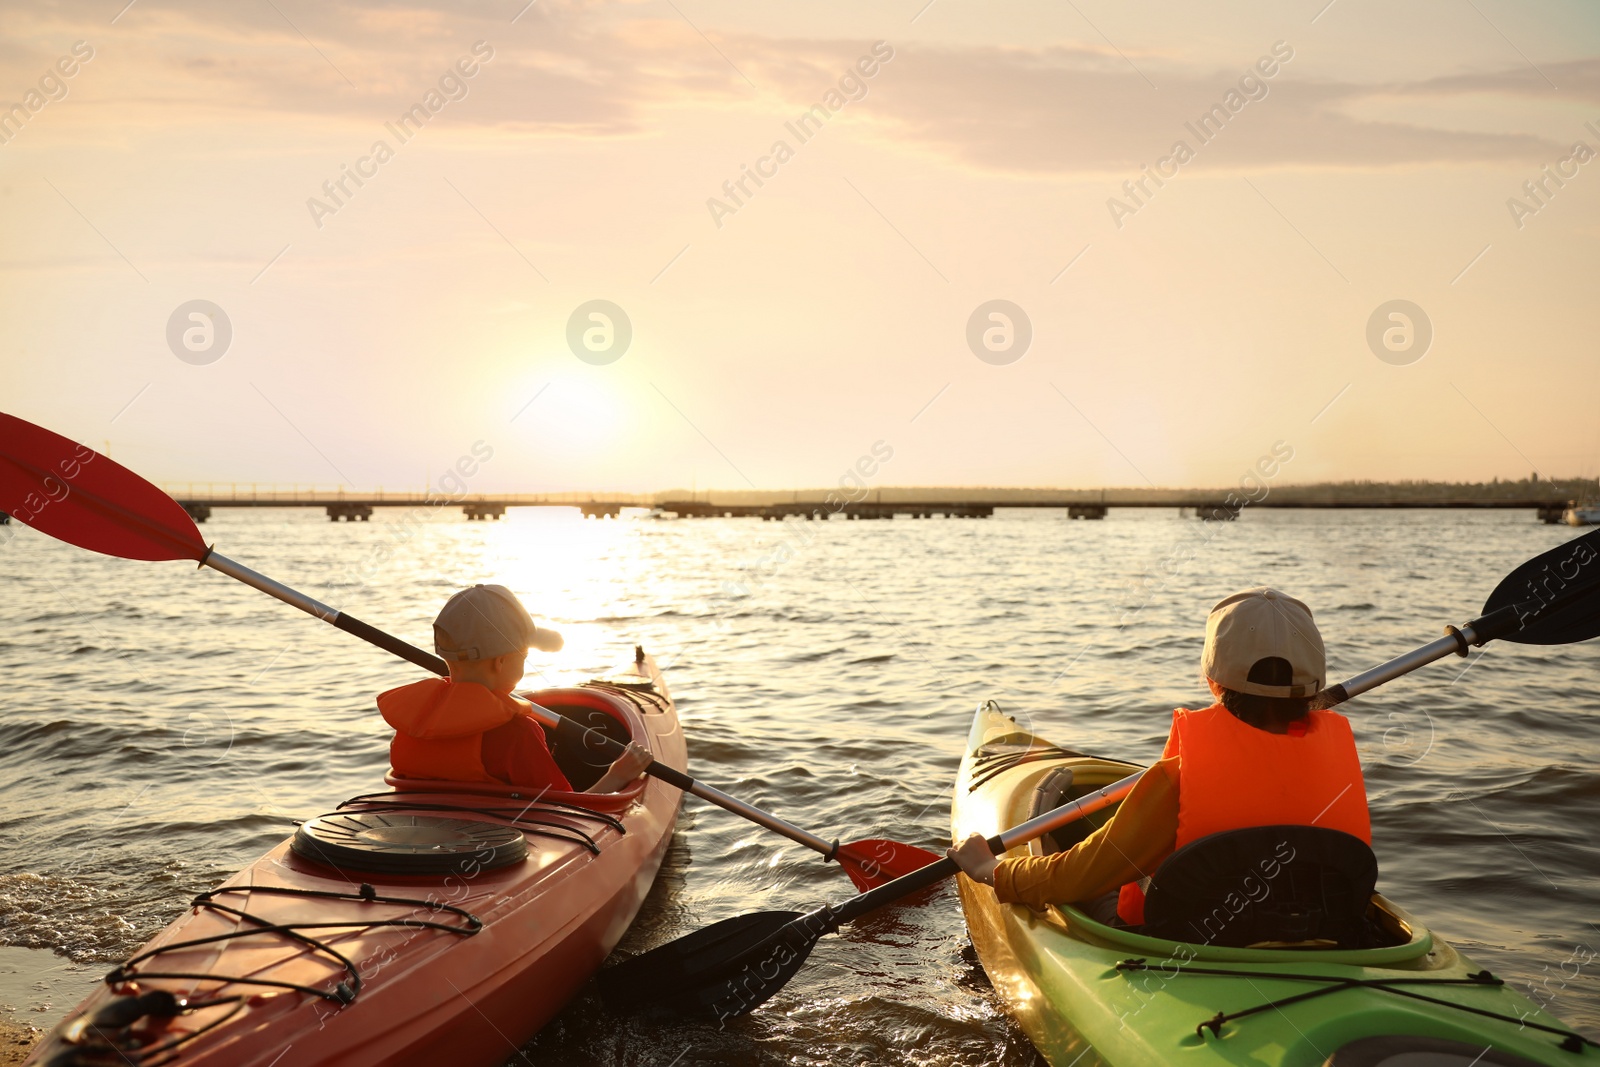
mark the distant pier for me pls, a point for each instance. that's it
(342, 505)
(814, 504)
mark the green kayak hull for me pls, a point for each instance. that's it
(1087, 993)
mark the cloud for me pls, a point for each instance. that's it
(181, 64)
(1056, 111)
(585, 70)
(1575, 80)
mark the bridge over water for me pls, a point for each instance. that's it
(886, 503)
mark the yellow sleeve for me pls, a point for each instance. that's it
(1130, 846)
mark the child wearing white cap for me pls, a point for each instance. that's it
(1262, 755)
(469, 727)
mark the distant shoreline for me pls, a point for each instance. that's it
(1340, 493)
(1351, 492)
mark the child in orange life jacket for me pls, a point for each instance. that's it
(469, 727)
(1260, 756)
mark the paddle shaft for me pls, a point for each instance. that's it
(1455, 642)
(609, 750)
(311, 606)
(1020, 834)
(593, 740)
(1499, 623)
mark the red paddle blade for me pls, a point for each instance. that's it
(73, 493)
(877, 861)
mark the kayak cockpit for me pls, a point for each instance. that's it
(1412, 941)
(616, 711)
(1390, 932)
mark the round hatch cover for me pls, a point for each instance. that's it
(407, 844)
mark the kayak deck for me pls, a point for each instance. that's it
(1089, 993)
(367, 967)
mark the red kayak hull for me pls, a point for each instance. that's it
(425, 996)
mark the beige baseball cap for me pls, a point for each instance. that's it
(488, 621)
(1256, 624)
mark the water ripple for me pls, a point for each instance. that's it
(164, 727)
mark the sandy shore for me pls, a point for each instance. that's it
(37, 989)
(16, 1041)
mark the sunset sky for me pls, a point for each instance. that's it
(779, 331)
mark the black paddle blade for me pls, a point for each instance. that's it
(722, 972)
(655, 978)
(1556, 595)
(732, 967)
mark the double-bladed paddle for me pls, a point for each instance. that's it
(1552, 599)
(76, 495)
(732, 967)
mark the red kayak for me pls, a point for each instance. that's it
(436, 922)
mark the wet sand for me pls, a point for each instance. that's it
(16, 1041)
(37, 989)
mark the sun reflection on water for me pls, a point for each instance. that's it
(569, 572)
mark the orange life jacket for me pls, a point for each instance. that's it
(1232, 776)
(439, 727)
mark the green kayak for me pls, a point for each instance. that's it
(1087, 993)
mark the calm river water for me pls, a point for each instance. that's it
(162, 727)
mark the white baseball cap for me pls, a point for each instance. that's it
(1258, 624)
(488, 621)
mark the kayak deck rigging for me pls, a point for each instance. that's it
(111, 1030)
(522, 817)
(343, 992)
(994, 758)
(1572, 1041)
(551, 807)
